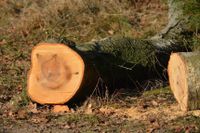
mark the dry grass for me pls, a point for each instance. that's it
(24, 23)
(82, 20)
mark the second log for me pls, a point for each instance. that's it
(184, 78)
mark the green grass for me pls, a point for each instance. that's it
(78, 118)
(187, 123)
(158, 91)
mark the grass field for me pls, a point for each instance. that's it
(24, 23)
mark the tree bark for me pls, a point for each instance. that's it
(121, 62)
(184, 77)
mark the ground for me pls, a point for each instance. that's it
(153, 111)
(25, 23)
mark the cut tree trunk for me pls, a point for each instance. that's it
(184, 77)
(58, 74)
(123, 62)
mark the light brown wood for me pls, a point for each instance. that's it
(184, 78)
(56, 73)
(60, 109)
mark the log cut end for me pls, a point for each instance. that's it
(178, 79)
(56, 74)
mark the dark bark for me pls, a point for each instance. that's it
(121, 62)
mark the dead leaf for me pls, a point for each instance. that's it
(154, 103)
(3, 42)
(107, 111)
(38, 119)
(111, 32)
(19, 88)
(195, 113)
(66, 126)
(22, 114)
(72, 110)
(33, 107)
(10, 113)
(89, 109)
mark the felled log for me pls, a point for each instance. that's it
(184, 77)
(57, 74)
(122, 62)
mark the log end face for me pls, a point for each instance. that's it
(178, 79)
(56, 74)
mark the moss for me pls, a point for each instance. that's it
(136, 52)
(120, 50)
(196, 42)
(154, 92)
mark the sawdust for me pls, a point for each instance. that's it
(167, 113)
